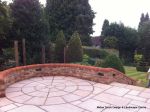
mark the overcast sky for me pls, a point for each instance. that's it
(125, 11)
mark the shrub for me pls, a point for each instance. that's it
(111, 42)
(59, 48)
(74, 51)
(98, 62)
(138, 58)
(95, 52)
(50, 52)
(85, 60)
(142, 67)
(92, 61)
(7, 59)
(112, 61)
(9, 53)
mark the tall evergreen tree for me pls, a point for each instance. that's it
(145, 40)
(105, 27)
(143, 19)
(74, 50)
(104, 31)
(29, 24)
(70, 16)
(147, 17)
(3, 11)
(59, 48)
(5, 25)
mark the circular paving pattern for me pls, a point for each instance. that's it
(49, 90)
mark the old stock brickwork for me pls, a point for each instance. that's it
(101, 75)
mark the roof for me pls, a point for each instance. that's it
(96, 41)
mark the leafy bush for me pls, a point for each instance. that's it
(142, 67)
(7, 59)
(98, 62)
(74, 51)
(95, 52)
(8, 53)
(85, 60)
(92, 61)
(59, 48)
(50, 52)
(138, 58)
(140, 64)
(112, 61)
(111, 42)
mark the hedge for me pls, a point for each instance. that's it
(95, 52)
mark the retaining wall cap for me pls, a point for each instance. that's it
(97, 69)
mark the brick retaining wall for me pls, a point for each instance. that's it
(101, 75)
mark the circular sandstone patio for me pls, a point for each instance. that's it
(68, 94)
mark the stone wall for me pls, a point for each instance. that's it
(101, 75)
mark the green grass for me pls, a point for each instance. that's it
(140, 77)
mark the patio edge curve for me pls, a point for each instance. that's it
(100, 75)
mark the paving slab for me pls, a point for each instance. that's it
(69, 94)
(117, 91)
(92, 105)
(111, 99)
(27, 108)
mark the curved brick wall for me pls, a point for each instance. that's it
(101, 75)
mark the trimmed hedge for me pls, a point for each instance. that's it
(95, 52)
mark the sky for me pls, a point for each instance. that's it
(126, 11)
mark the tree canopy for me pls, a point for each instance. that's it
(105, 27)
(143, 19)
(145, 40)
(127, 39)
(29, 23)
(70, 16)
(5, 24)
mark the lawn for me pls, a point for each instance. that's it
(140, 77)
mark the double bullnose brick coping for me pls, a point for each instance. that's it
(100, 75)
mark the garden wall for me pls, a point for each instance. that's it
(101, 75)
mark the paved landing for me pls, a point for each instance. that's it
(68, 94)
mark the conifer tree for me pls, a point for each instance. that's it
(74, 50)
(105, 27)
(112, 61)
(143, 19)
(59, 48)
(147, 17)
(145, 40)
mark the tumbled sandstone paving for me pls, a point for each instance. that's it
(68, 94)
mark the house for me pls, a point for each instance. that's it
(96, 41)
